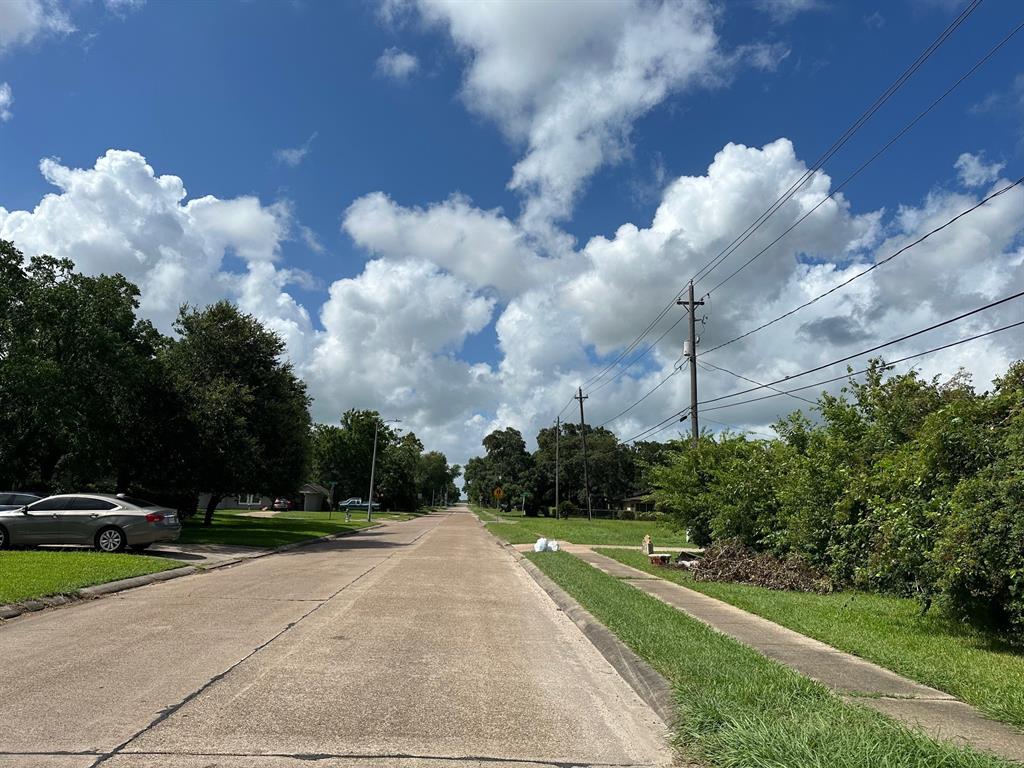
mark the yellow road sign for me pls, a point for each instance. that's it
(498, 493)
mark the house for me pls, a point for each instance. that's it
(637, 504)
(315, 498)
(238, 501)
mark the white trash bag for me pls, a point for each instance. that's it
(552, 546)
(541, 545)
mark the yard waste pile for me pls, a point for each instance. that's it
(545, 545)
(732, 561)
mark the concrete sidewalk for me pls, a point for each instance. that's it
(414, 644)
(939, 714)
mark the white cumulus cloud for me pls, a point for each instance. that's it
(397, 64)
(22, 21)
(567, 80)
(120, 216)
(6, 99)
(973, 171)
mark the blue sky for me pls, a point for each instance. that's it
(209, 92)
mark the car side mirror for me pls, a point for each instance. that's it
(24, 510)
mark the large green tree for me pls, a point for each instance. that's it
(83, 399)
(249, 411)
(612, 467)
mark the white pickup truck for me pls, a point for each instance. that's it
(355, 503)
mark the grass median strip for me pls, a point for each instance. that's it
(32, 574)
(527, 530)
(889, 631)
(737, 708)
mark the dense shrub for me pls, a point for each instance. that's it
(901, 485)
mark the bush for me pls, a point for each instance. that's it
(567, 508)
(731, 561)
(981, 554)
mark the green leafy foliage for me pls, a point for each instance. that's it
(903, 486)
(91, 397)
(405, 477)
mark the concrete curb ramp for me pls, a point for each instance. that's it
(935, 712)
(13, 610)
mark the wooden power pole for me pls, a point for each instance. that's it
(583, 436)
(691, 307)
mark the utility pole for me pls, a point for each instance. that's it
(373, 465)
(583, 435)
(558, 432)
(691, 353)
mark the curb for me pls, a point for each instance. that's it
(653, 689)
(13, 610)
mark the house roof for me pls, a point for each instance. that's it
(314, 488)
(638, 497)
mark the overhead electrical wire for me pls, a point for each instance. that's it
(712, 366)
(842, 140)
(871, 268)
(885, 96)
(865, 370)
(844, 359)
(820, 296)
(839, 187)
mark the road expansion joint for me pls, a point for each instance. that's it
(167, 712)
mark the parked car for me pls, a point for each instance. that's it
(16, 500)
(355, 503)
(107, 522)
(281, 505)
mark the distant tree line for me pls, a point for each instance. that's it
(615, 470)
(406, 476)
(94, 398)
(901, 486)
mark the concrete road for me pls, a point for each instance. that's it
(416, 644)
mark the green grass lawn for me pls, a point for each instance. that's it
(889, 631)
(735, 707)
(378, 517)
(231, 527)
(35, 573)
(527, 530)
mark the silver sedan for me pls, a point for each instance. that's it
(107, 522)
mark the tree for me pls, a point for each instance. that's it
(249, 411)
(612, 466)
(79, 379)
(507, 465)
(435, 478)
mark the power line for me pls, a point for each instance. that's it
(649, 432)
(820, 296)
(865, 370)
(760, 220)
(712, 366)
(639, 357)
(875, 348)
(817, 298)
(873, 267)
(650, 392)
(871, 159)
(840, 142)
(836, 362)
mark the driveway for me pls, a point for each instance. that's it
(419, 643)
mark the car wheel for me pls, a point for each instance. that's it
(111, 540)
(5, 538)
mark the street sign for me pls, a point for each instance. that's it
(498, 493)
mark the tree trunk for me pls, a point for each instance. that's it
(210, 506)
